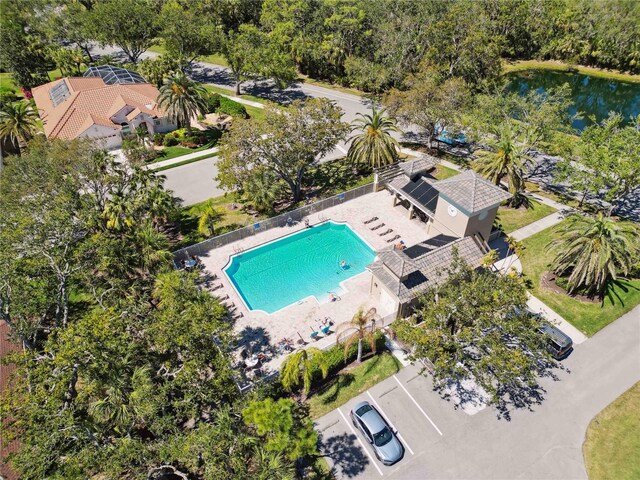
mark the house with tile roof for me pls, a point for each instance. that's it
(100, 106)
(459, 212)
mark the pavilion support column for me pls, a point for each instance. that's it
(396, 198)
(411, 211)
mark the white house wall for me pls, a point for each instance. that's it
(109, 138)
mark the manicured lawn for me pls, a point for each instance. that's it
(230, 91)
(229, 219)
(168, 153)
(441, 172)
(514, 218)
(612, 444)
(587, 317)
(7, 81)
(352, 382)
(563, 67)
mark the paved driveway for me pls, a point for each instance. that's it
(541, 442)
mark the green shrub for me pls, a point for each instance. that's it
(158, 139)
(232, 108)
(335, 356)
(213, 102)
(170, 141)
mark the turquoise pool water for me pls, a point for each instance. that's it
(304, 264)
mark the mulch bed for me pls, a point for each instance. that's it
(548, 282)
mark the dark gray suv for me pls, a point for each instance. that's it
(385, 444)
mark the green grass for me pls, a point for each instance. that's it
(564, 67)
(230, 91)
(227, 221)
(514, 218)
(441, 172)
(6, 81)
(352, 382)
(612, 444)
(586, 317)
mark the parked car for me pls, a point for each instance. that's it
(559, 343)
(384, 442)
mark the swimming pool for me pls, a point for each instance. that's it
(304, 264)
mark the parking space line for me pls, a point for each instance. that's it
(417, 405)
(406, 444)
(373, 460)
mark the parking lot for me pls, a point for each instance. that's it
(542, 440)
(402, 403)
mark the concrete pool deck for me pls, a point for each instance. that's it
(258, 329)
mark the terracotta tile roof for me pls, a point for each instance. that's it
(91, 99)
(470, 192)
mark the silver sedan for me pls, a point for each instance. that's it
(385, 444)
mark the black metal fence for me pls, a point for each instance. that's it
(281, 220)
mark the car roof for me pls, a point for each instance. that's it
(373, 421)
(556, 335)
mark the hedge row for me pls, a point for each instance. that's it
(218, 104)
(335, 356)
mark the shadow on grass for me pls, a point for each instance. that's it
(611, 292)
(337, 383)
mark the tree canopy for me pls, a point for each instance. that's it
(475, 326)
(126, 371)
(284, 143)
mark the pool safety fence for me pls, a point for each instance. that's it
(282, 220)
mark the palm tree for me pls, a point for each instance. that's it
(374, 144)
(593, 251)
(509, 160)
(183, 99)
(206, 221)
(362, 326)
(261, 189)
(299, 366)
(18, 122)
(269, 465)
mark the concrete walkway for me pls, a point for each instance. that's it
(189, 156)
(538, 226)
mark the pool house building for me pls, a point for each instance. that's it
(459, 213)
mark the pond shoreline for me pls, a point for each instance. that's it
(509, 66)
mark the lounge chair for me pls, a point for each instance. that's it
(372, 219)
(386, 232)
(377, 227)
(396, 237)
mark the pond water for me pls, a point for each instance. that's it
(592, 96)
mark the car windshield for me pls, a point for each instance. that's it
(382, 437)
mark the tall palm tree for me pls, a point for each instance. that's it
(18, 122)
(593, 251)
(183, 99)
(508, 159)
(299, 367)
(361, 327)
(374, 144)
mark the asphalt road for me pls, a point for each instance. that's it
(540, 441)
